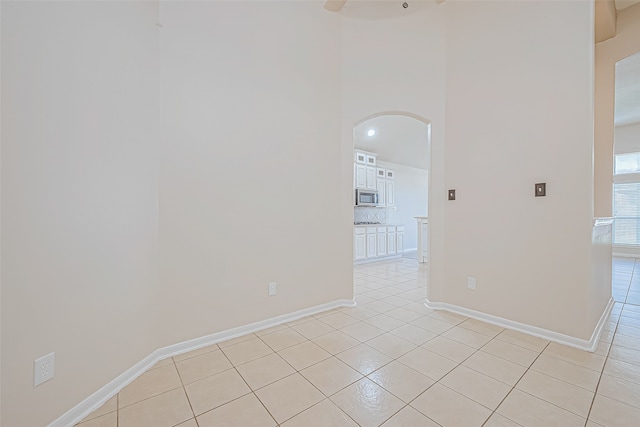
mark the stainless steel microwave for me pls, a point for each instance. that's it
(366, 197)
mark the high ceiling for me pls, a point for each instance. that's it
(398, 139)
(403, 140)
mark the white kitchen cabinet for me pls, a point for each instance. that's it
(371, 178)
(372, 238)
(390, 193)
(360, 175)
(377, 242)
(364, 170)
(389, 174)
(359, 243)
(392, 242)
(381, 186)
(371, 160)
(382, 241)
(381, 173)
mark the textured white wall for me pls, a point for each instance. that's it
(79, 198)
(193, 145)
(250, 178)
(520, 111)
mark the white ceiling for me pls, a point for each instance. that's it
(627, 110)
(398, 139)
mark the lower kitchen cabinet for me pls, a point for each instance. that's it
(372, 251)
(359, 244)
(391, 243)
(377, 242)
(382, 241)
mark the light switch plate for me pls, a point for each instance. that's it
(452, 194)
(541, 189)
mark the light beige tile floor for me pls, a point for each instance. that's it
(392, 362)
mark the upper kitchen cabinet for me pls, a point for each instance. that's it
(381, 186)
(370, 177)
(364, 170)
(360, 175)
(390, 193)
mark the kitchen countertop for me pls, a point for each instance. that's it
(378, 225)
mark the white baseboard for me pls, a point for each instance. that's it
(100, 397)
(587, 345)
(411, 250)
(377, 259)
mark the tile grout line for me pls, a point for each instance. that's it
(514, 387)
(305, 378)
(458, 365)
(184, 389)
(606, 359)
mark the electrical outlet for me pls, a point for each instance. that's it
(471, 283)
(273, 289)
(43, 368)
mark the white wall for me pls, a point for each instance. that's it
(627, 138)
(123, 150)
(513, 67)
(250, 178)
(79, 199)
(411, 200)
(104, 186)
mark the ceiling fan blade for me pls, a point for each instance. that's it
(334, 5)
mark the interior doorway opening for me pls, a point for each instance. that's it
(391, 165)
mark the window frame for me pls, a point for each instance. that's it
(623, 178)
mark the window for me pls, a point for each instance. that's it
(626, 199)
(627, 163)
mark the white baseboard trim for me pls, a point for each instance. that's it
(377, 259)
(587, 345)
(100, 397)
(411, 250)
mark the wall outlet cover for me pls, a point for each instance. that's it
(471, 283)
(273, 289)
(43, 369)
